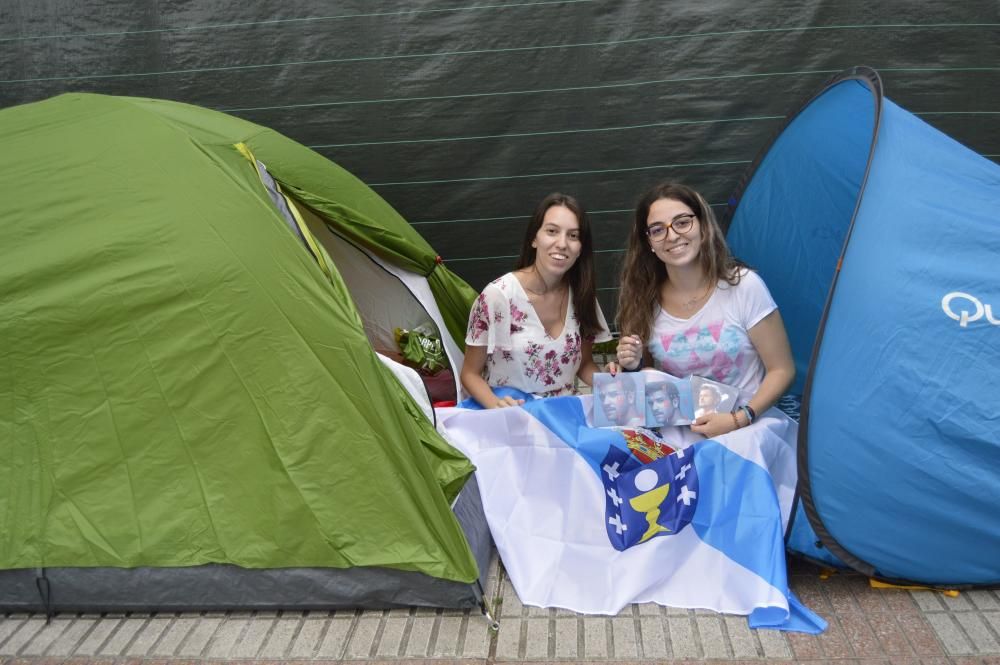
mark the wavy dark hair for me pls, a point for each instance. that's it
(643, 274)
(581, 276)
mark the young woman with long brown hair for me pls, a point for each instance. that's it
(533, 328)
(688, 307)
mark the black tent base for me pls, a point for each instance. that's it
(216, 587)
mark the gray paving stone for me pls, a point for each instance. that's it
(446, 644)
(654, 638)
(713, 640)
(740, 638)
(281, 636)
(677, 611)
(509, 639)
(419, 641)
(425, 612)
(650, 609)
(307, 641)
(45, 637)
(363, 638)
(24, 634)
(66, 644)
(511, 606)
(682, 637)
(8, 627)
(959, 603)
(954, 639)
(148, 636)
(774, 644)
(392, 636)
(174, 635)
(567, 635)
(197, 640)
(538, 611)
(335, 639)
(623, 638)
(595, 638)
(977, 631)
(927, 601)
(97, 636)
(225, 638)
(993, 619)
(477, 638)
(120, 639)
(984, 599)
(563, 612)
(253, 637)
(536, 644)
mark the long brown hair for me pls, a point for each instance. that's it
(581, 276)
(643, 274)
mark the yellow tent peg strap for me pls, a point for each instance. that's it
(875, 584)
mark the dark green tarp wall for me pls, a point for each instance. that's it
(463, 114)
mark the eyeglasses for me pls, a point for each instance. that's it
(681, 224)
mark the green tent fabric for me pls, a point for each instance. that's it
(342, 200)
(180, 382)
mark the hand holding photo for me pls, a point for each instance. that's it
(712, 397)
(656, 399)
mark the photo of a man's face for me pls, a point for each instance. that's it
(617, 402)
(708, 399)
(662, 402)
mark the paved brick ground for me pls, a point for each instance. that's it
(870, 626)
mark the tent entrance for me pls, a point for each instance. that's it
(388, 297)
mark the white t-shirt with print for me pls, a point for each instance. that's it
(519, 353)
(713, 343)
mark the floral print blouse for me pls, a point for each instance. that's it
(519, 353)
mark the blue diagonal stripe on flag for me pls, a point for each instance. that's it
(701, 528)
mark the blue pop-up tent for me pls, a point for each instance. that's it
(879, 237)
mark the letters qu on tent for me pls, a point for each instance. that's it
(191, 412)
(879, 237)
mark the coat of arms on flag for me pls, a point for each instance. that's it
(646, 500)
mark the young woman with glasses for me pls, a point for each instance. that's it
(533, 329)
(688, 307)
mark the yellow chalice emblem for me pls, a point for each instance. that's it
(649, 504)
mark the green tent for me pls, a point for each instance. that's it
(188, 395)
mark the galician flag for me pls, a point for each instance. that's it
(592, 519)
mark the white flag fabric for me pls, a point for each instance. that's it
(592, 519)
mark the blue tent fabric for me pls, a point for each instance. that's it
(878, 236)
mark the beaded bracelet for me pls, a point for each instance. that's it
(751, 416)
(736, 423)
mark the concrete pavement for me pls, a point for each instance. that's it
(866, 626)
